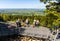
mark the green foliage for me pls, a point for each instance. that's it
(8, 17)
(52, 13)
(1, 19)
(45, 1)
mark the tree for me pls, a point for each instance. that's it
(1, 19)
(52, 5)
(52, 12)
(49, 1)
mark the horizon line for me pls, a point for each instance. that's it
(24, 8)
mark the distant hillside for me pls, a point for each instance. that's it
(21, 11)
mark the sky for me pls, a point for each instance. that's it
(21, 4)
